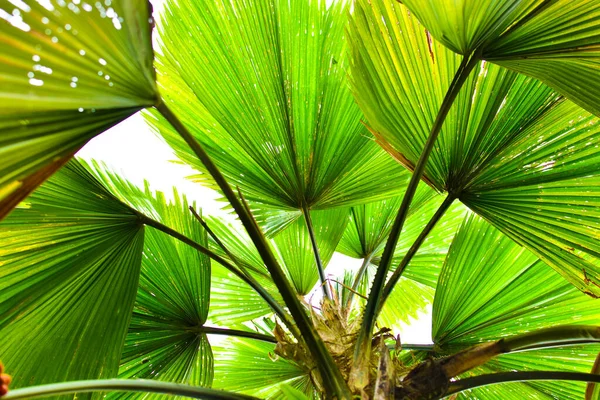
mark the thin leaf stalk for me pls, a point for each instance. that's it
(363, 345)
(389, 286)
(475, 356)
(315, 247)
(123, 385)
(518, 376)
(332, 377)
(359, 275)
(219, 243)
(209, 330)
(249, 280)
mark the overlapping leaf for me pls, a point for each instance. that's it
(165, 339)
(554, 41)
(295, 249)
(233, 302)
(400, 76)
(265, 92)
(370, 225)
(498, 118)
(543, 193)
(559, 45)
(69, 270)
(491, 288)
(244, 366)
(68, 71)
(464, 25)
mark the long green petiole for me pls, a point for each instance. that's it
(363, 346)
(518, 376)
(209, 330)
(389, 286)
(315, 247)
(333, 380)
(123, 385)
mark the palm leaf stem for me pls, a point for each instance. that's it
(389, 286)
(479, 354)
(315, 247)
(363, 344)
(518, 376)
(219, 243)
(123, 385)
(332, 378)
(233, 332)
(359, 275)
(552, 337)
(249, 280)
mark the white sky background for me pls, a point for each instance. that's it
(132, 150)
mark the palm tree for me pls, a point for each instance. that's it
(452, 146)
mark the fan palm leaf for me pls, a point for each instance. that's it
(71, 258)
(490, 120)
(268, 100)
(67, 73)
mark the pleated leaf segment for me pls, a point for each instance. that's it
(264, 90)
(491, 288)
(71, 257)
(67, 72)
(505, 133)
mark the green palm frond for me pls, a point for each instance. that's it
(70, 257)
(295, 249)
(497, 118)
(165, 340)
(556, 42)
(232, 302)
(551, 204)
(560, 46)
(491, 288)
(67, 74)
(269, 101)
(464, 25)
(370, 226)
(247, 367)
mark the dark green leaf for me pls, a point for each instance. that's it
(69, 270)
